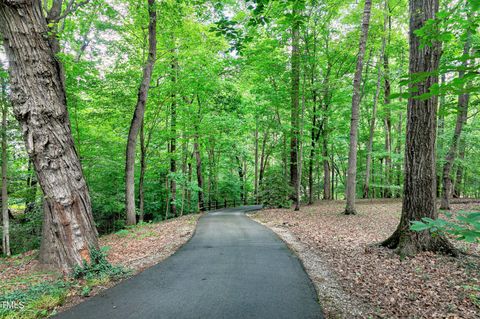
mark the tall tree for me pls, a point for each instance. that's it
(295, 107)
(198, 160)
(39, 104)
(462, 112)
(173, 136)
(386, 100)
(357, 81)
(139, 114)
(5, 217)
(419, 194)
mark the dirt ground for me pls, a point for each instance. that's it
(357, 279)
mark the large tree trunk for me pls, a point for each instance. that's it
(39, 104)
(419, 188)
(138, 116)
(5, 217)
(462, 112)
(295, 109)
(357, 80)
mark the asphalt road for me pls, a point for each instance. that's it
(232, 267)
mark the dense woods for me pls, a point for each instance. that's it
(115, 112)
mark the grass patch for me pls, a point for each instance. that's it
(39, 297)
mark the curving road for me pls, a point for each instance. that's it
(232, 267)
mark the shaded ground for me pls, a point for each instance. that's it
(357, 281)
(231, 268)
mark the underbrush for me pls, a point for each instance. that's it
(40, 299)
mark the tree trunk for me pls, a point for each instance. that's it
(173, 142)
(314, 138)
(241, 178)
(462, 112)
(388, 117)
(295, 112)
(419, 188)
(458, 189)
(39, 104)
(5, 217)
(440, 131)
(198, 158)
(357, 80)
(366, 185)
(31, 196)
(189, 192)
(327, 189)
(263, 159)
(143, 167)
(256, 164)
(138, 116)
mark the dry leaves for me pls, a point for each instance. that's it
(427, 286)
(149, 244)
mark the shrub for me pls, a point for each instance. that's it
(466, 227)
(275, 191)
(98, 267)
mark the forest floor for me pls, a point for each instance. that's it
(356, 279)
(27, 291)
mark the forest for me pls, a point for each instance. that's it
(124, 117)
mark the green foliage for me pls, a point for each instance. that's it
(35, 302)
(275, 191)
(466, 227)
(98, 267)
(122, 233)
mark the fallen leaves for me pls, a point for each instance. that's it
(427, 286)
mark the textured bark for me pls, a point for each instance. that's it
(419, 188)
(5, 216)
(138, 116)
(295, 111)
(462, 113)
(357, 80)
(39, 104)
